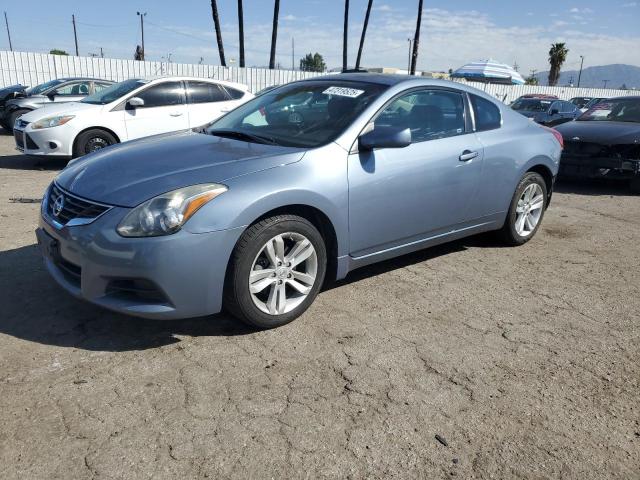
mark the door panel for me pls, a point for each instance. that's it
(164, 111)
(398, 196)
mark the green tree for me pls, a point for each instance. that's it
(312, 63)
(531, 80)
(557, 55)
(57, 51)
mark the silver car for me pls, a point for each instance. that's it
(60, 90)
(258, 212)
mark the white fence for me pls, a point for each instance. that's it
(30, 68)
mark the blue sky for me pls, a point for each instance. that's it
(452, 34)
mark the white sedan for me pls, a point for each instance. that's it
(125, 111)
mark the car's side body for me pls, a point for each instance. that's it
(369, 205)
(125, 123)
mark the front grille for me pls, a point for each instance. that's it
(63, 207)
(586, 149)
(136, 290)
(31, 145)
(19, 138)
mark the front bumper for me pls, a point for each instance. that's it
(598, 167)
(175, 276)
(47, 141)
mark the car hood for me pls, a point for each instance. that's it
(63, 108)
(131, 173)
(605, 132)
(528, 113)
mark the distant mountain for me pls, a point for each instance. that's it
(617, 75)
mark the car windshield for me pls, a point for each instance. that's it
(531, 105)
(303, 114)
(580, 102)
(114, 92)
(619, 110)
(43, 87)
(593, 102)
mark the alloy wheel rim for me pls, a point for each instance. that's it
(529, 210)
(283, 273)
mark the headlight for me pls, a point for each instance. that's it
(167, 213)
(51, 121)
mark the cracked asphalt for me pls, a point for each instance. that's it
(524, 361)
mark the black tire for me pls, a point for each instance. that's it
(237, 298)
(14, 116)
(508, 232)
(634, 185)
(91, 141)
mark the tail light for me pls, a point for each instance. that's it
(556, 134)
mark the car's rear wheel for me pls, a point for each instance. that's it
(14, 116)
(276, 271)
(92, 141)
(526, 210)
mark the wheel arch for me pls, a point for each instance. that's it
(545, 172)
(104, 129)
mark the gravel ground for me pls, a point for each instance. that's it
(466, 360)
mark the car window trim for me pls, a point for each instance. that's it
(473, 114)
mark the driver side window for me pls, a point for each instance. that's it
(78, 88)
(430, 114)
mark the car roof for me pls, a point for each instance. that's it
(379, 78)
(69, 79)
(158, 78)
(624, 97)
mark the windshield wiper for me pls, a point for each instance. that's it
(240, 135)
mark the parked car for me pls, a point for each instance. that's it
(580, 102)
(61, 90)
(9, 93)
(253, 215)
(604, 142)
(546, 111)
(131, 109)
(592, 102)
(537, 95)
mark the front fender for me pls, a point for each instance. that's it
(319, 181)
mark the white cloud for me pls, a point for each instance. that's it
(629, 5)
(289, 18)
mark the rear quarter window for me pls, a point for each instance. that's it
(234, 93)
(486, 113)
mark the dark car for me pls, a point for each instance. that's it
(546, 111)
(55, 91)
(604, 142)
(581, 102)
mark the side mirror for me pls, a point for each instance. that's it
(51, 94)
(385, 137)
(135, 102)
(553, 111)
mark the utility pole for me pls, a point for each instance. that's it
(605, 83)
(293, 54)
(581, 63)
(6, 22)
(409, 63)
(142, 15)
(101, 53)
(75, 33)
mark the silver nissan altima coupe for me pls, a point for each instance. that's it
(302, 184)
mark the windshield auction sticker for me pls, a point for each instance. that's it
(343, 92)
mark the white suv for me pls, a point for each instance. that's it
(125, 111)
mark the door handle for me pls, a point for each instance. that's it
(468, 155)
(176, 114)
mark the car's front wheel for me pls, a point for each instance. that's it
(276, 271)
(92, 141)
(526, 210)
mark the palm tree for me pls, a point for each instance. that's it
(216, 22)
(274, 34)
(241, 32)
(345, 33)
(416, 40)
(557, 56)
(364, 32)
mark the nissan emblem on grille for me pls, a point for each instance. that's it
(58, 205)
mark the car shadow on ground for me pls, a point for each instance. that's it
(596, 187)
(35, 309)
(29, 162)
